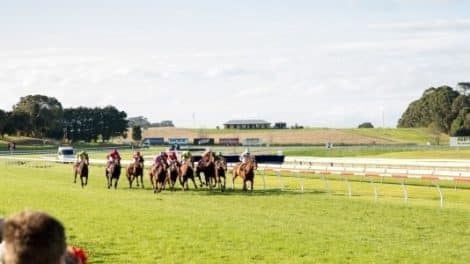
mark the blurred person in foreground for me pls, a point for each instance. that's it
(36, 237)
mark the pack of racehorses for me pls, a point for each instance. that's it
(168, 175)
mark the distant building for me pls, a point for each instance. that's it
(247, 124)
(164, 123)
(280, 125)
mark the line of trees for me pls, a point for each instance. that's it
(444, 109)
(41, 116)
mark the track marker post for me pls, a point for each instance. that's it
(348, 184)
(374, 186)
(405, 191)
(280, 178)
(325, 180)
(435, 181)
(264, 179)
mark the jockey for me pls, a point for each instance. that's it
(186, 156)
(82, 156)
(160, 160)
(172, 157)
(245, 156)
(138, 158)
(207, 156)
(112, 157)
(219, 156)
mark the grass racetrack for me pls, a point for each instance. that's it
(272, 226)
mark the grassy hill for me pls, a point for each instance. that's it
(309, 136)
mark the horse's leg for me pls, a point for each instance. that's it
(75, 167)
(128, 176)
(198, 175)
(81, 180)
(244, 184)
(141, 179)
(234, 176)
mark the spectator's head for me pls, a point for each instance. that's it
(33, 237)
(1, 230)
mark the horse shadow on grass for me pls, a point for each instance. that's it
(266, 192)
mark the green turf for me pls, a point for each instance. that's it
(272, 226)
(403, 135)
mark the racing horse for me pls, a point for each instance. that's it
(246, 172)
(158, 177)
(81, 168)
(113, 172)
(134, 171)
(173, 173)
(220, 171)
(208, 168)
(187, 172)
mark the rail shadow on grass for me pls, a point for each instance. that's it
(237, 192)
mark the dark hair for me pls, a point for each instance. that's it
(33, 237)
(1, 229)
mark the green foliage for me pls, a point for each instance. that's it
(3, 122)
(139, 121)
(434, 106)
(366, 125)
(43, 115)
(461, 124)
(136, 133)
(90, 124)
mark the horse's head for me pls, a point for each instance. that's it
(221, 164)
(173, 166)
(251, 164)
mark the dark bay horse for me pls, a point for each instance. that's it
(81, 169)
(158, 176)
(220, 171)
(113, 172)
(187, 172)
(208, 168)
(173, 174)
(134, 171)
(246, 172)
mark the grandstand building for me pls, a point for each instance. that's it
(247, 124)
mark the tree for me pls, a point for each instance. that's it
(17, 122)
(44, 114)
(461, 124)
(89, 124)
(366, 125)
(139, 121)
(434, 106)
(3, 122)
(463, 87)
(136, 133)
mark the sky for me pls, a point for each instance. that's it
(201, 63)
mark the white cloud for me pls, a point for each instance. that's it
(434, 25)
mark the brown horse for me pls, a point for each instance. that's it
(134, 171)
(113, 172)
(208, 168)
(158, 177)
(246, 172)
(173, 173)
(81, 168)
(187, 172)
(220, 171)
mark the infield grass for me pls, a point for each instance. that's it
(272, 226)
